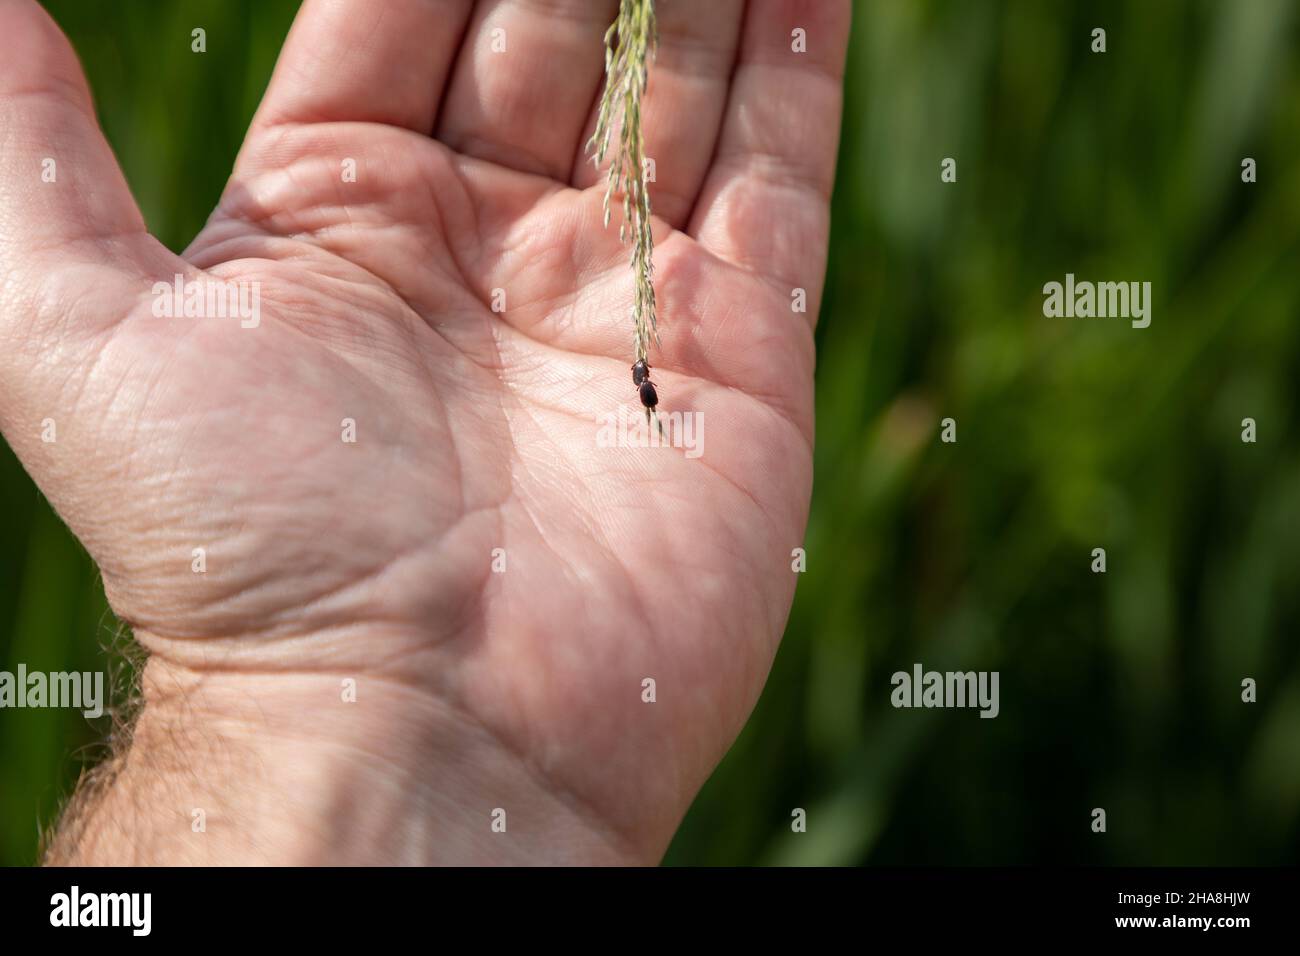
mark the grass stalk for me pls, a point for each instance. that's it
(629, 47)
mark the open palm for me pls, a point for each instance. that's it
(413, 204)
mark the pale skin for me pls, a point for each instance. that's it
(333, 565)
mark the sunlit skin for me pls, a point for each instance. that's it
(371, 562)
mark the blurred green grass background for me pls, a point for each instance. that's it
(1119, 690)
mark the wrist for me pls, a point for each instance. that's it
(237, 768)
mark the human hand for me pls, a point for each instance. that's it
(371, 561)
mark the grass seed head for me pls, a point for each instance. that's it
(629, 47)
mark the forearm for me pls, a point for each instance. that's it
(229, 769)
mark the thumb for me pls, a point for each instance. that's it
(74, 253)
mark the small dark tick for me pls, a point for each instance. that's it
(649, 397)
